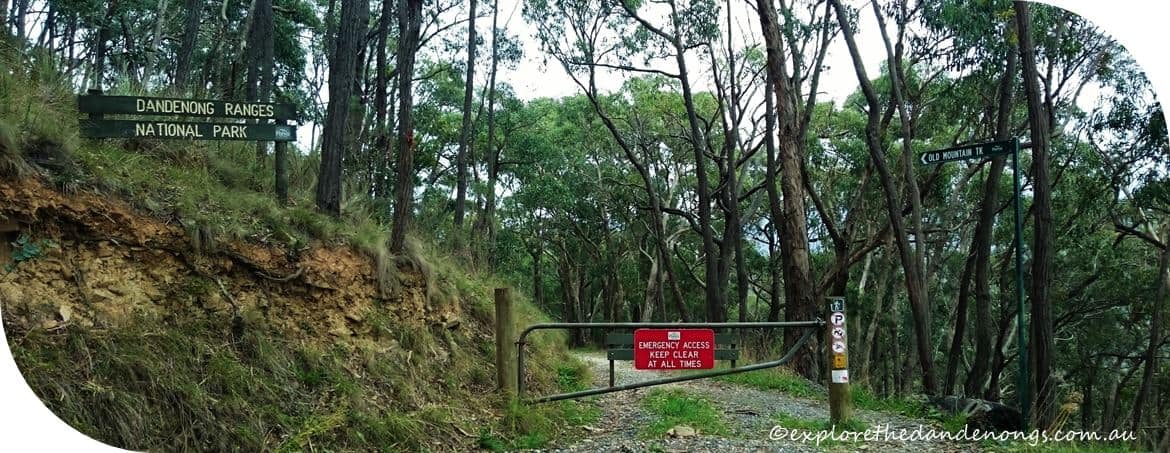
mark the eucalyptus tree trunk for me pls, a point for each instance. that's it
(1041, 347)
(912, 270)
(793, 228)
(152, 57)
(487, 221)
(381, 140)
(715, 300)
(465, 133)
(981, 245)
(20, 14)
(788, 214)
(103, 36)
(409, 18)
(351, 31)
(191, 19)
(261, 49)
(716, 308)
(1156, 326)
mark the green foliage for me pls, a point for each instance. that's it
(185, 386)
(573, 376)
(779, 379)
(24, 249)
(911, 408)
(675, 407)
(533, 426)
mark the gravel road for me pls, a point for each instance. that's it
(748, 412)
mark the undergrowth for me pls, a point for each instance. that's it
(529, 426)
(187, 385)
(778, 379)
(675, 407)
(863, 399)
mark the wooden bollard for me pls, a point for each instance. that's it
(840, 404)
(506, 376)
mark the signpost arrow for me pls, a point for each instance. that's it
(966, 152)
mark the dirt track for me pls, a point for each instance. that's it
(747, 411)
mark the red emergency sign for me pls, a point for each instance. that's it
(674, 349)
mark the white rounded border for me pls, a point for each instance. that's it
(27, 425)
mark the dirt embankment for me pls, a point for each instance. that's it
(102, 264)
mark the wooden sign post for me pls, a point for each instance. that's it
(840, 405)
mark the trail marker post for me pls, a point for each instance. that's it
(991, 149)
(840, 405)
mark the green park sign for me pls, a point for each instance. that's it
(97, 126)
(965, 152)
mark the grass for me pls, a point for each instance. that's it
(149, 387)
(187, 384)
(534, 426)
(778, 379)
(863, 399)
(675, 407)
(219, 189)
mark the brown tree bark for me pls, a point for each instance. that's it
(381, 139)
(191, 20)
(1041, 347)
(715, 301)
(465, 132)
(261, 49)
(409, 20)
(351, 31)
(981, 245)
(487, 222)
(914, 287)
(798, 287)
(1156, 326)
(103, 36)
(152, 55)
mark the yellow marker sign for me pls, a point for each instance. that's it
(839, 361)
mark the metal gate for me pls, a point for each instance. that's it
(810, 327)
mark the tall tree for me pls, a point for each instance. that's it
(103, 37)
(1041, 345)
(976, 384)
(381, 99)
(688, 27)
(191, 19)
(914, 287)
(487, 221)
(409, 19)
(261, 48)
(465, 133)
(789, 213)
(152, 55)
(350, 34)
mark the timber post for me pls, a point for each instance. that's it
(506, 373)
(840, 403)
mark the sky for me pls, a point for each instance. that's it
(1140, 25)
(532, 79)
